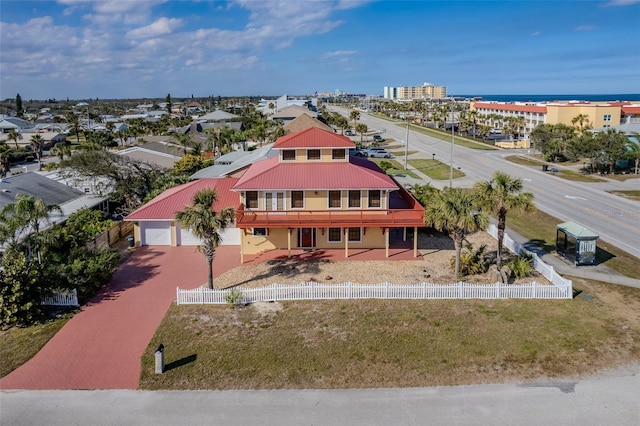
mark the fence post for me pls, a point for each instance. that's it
(498, 289)
(535, 287)
(350, 292)
(177, 295)
(460, 291)
(202, 295)
(386, 289)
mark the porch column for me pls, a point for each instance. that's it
(415, 241)
(346, 242)
(404, 234)
(386, 241)
(288, 242)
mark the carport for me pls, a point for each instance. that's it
(576, 243)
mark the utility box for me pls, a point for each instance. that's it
(576, 243)
(160, 359)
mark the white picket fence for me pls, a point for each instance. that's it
(349, 290)
(62, 298)
(547, 271)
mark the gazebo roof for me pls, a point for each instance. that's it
(576, 230)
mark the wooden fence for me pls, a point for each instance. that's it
(348, 290)
(111, 236)
(62, 298)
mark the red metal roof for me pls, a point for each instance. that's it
(270, 174)
(167, 204)
(510, 107)
(313, 137)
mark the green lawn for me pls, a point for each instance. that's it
(396, 167)
(435, 169)
(575, 176)
(446, 137)
(18, 345)
(392, 343)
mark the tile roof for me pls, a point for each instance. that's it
(313, 137)
(358, 173)
(165, 205)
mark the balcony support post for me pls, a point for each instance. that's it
(346, 242)
(386, 242)
(415, 241)
(289, 242)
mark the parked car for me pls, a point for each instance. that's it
(377, 138)
(358, 153)
(378, 153)
(348, 132)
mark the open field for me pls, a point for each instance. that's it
(435, 169)
(382, 343)
(396, 167)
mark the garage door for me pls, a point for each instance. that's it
(155, 233)
(230, 236)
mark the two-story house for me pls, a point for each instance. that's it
(314, 195)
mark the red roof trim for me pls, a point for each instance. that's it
(313, 137)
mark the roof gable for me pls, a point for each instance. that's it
(303, 122)
(313, 137)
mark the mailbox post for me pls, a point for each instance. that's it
(160, 359)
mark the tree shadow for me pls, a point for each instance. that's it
(287, 267)
(179, 363)
(135, 270)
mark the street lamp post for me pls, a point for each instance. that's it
(433, 156)
(406, 145)
(453, 142)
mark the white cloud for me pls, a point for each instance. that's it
(621, 3)
(160, 27)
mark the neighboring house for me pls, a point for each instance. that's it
(235, 163)
(292, 112)
(315, 195)
(155, 224)
(164, 160)
(303, 122)
(51, 192)
(219, 116)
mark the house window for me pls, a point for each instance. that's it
(354, 199)
(313, 154)
(338, 154)
(297, 199)
(374, 198)
(335, 199)
(252, 199)
(607, 117)
(334, 235)
(288, 154)
(260, 232)
(355, 234)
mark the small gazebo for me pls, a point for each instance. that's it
(576, 243)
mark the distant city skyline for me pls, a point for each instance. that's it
(81, 49)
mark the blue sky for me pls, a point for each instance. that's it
(136, 48)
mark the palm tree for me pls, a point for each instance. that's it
(206, 223)
(581, 123)
(24, 216)
(184, 141)
(500, 195)
(362, 129)
(5, 160)
(633, 150)
(36, 144)
(74, 123)
(456, 211)
(14, 136)
(355, 116)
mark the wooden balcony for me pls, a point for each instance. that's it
(330, 218)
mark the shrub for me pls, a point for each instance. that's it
(233, 297)
(472, 262)
(521, 266)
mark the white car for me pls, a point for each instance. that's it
(378, 153)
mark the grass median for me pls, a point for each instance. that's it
(435, 169)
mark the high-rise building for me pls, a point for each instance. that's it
(407, 93)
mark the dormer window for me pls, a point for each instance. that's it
(338, 154)
(313, 154)
(288, 154)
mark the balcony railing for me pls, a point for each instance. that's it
(329, 218)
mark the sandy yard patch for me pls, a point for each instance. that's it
(432, 266)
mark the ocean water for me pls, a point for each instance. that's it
(548, 98)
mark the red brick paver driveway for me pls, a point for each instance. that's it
(101, 346)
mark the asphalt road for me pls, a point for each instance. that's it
(599, 401)
(615, 219)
